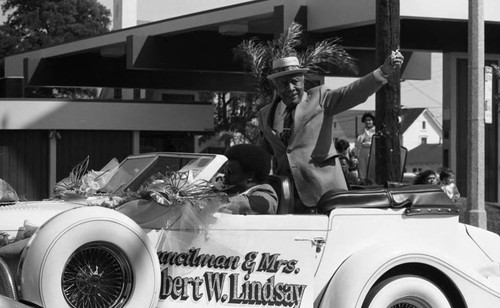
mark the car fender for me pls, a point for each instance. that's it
(44, 260)
(359, 272)
(6, 302)
(488, 241)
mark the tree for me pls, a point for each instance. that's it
(235, 117)
(42, 23)
(33, 24)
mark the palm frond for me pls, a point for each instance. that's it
(287, 42)
(325, 56)
(255, 56)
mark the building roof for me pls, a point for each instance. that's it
(408, 116)
(425, 154)
(191, 52)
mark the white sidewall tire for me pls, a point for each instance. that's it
(398, 287)
(50, 248)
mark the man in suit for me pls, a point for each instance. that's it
(296, 129)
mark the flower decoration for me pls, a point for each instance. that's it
(72, 184)
(176, 190)
(82, 183)
(89, 184)
(177, 187)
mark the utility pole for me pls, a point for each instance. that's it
(388, 100)
(475, 213)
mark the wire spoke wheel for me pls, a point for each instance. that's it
(410, 302)
(97, 275)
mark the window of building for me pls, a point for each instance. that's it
(423, 140)
(423, 124)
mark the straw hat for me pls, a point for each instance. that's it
(286, 66)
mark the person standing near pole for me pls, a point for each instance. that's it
(363, 144)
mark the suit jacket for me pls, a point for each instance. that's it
(308, 159)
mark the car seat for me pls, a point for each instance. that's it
(284, 189)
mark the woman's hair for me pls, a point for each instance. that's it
(446, 174)
(252, 158)
(420, 179)
(367, 115)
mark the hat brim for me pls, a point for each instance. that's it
(287, 72)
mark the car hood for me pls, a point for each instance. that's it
(21, 215)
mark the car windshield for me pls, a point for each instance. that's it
(135, 170)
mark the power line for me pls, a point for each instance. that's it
(423, 93)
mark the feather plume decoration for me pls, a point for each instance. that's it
(286, 44)
(326, 56)
(320, 58)
(256, 57)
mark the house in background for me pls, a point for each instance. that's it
(418, 126)
(423, 157)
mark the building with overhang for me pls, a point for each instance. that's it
(184, 55)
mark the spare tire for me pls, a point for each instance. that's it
(90, 256)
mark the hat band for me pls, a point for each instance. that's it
(284, 62)
(285, 68)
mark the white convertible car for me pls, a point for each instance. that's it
(377, 247)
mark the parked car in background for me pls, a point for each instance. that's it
(377, 247)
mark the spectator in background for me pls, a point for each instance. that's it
(363, 144)
(447, 178)
(353, 166)
(342, 147)
(352, 179)
(426, 177)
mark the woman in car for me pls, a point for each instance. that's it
(245, 174)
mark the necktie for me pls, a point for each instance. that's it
(287, 126)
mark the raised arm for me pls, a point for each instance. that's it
(357, 92)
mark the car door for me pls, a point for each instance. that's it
(238, 260)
